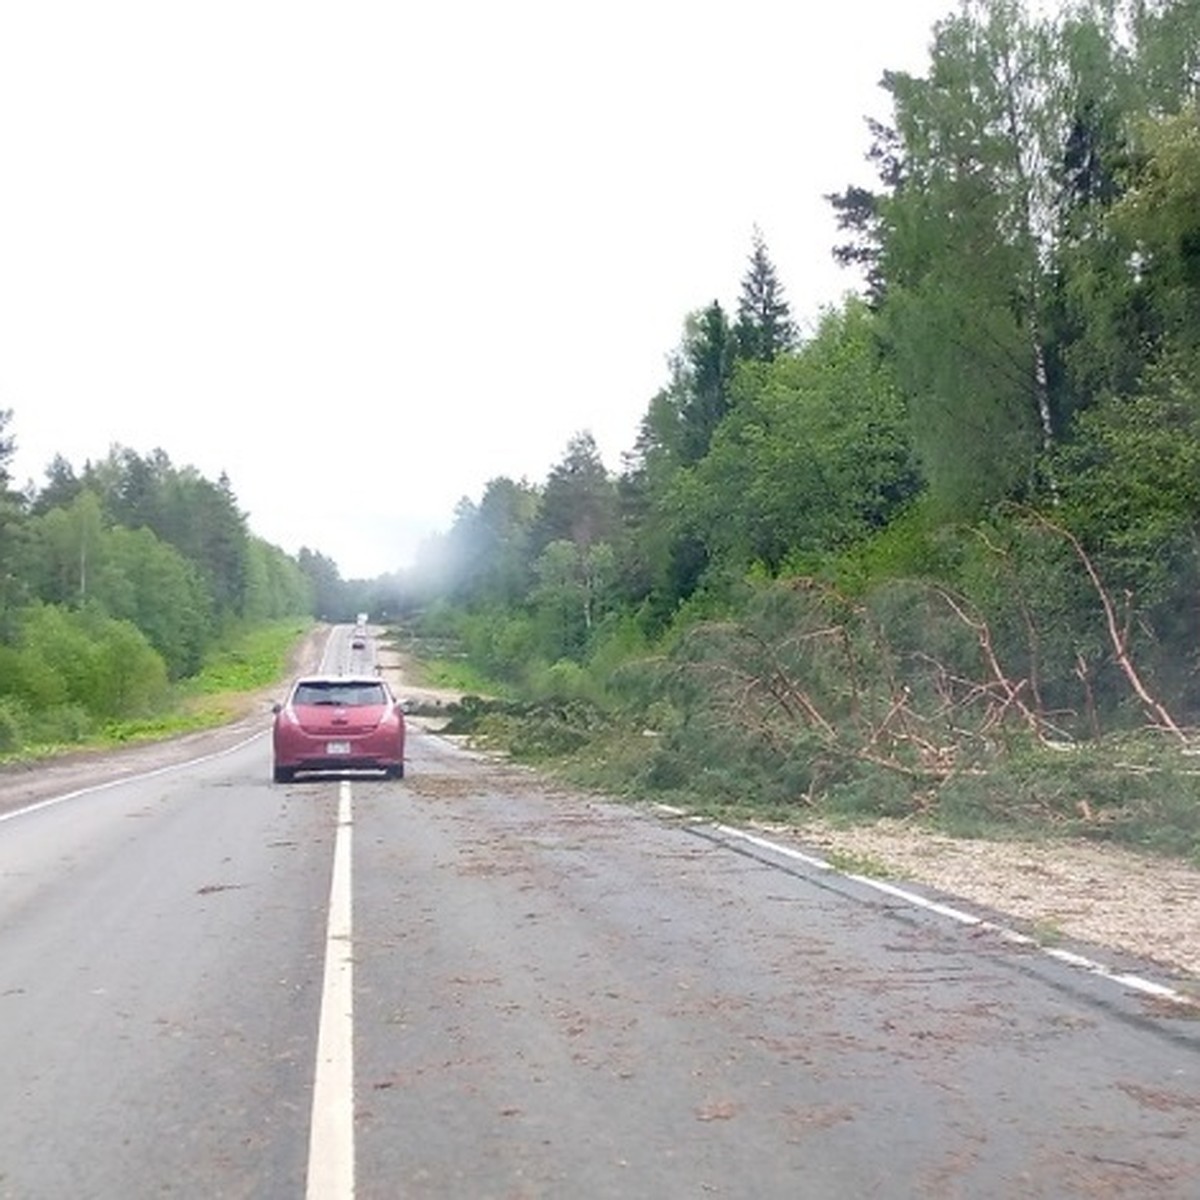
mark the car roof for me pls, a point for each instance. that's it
(344, 680)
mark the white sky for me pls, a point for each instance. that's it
(366, 256)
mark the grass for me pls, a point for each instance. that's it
(1047, 931)
(851, 862)
(454, 675)
(254, 657)
(435, 663)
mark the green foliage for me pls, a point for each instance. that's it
(106, 665)
(434, 644)
(16, 724)
(964, 232)
(199, 518)
(28, 678)
(963, 362)
(578, 503)
(814, 454)
(543, 731)
(1131, 478)
(573, 583)
(909, 546)
(130, 677)
(489, 549)
(563, 680)
(549, 731)
(102, 684)
(66, 725)
(709, 355)
(1160, 216)
(251, 656)
(325, 585)
(616, 641)
(500, 643)
(69, 669)
(275, 584)
(152, 585)
(116, 580)
(160, 547)
(455, 675)
(764, 326)
(1130, 494)
(866, 792)
(1129, 791)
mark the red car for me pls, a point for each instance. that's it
(339, 723)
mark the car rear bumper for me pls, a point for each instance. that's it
(339, 762)
(298, 751)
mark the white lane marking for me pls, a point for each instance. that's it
(331, 1133)
(1134, 982)
(112, 783)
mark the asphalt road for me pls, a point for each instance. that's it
(541, 995)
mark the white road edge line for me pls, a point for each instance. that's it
(331, 1133)
(112, 783)
(1135, 982)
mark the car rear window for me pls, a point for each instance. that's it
(344, 695)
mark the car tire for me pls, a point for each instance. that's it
(396, 772)
(283, 774)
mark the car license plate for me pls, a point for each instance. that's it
(337, 747)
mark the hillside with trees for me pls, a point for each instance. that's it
(955, 523)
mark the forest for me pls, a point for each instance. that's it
(116, 582)
(938, 550)
(952, 526)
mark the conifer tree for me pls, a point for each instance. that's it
(709, 356)
(764, 325)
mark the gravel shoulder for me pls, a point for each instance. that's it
(1062, 891)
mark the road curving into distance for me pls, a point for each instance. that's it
(473, 984)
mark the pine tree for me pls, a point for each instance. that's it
(579, 499)
(764, 323)
(709, 353)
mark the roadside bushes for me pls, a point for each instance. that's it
(68, 671)
(14, 724)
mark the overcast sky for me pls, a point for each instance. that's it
(366, 256)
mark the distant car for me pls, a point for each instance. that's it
(358, 643)
(338, 723)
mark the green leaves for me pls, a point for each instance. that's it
(814, 454)
(85, 658)
(1160, 216)
(1131, 480)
